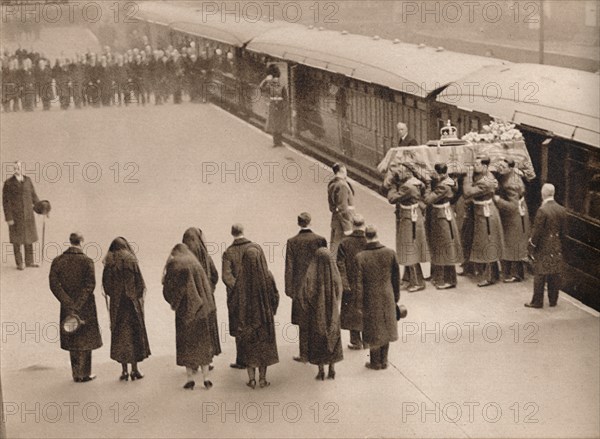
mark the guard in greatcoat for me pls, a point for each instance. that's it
(300, 251)
(378, 282)
(72, 281)
(277, 120)
(510, 200)
(488, 240)
(351, 314)
(444, 239)
(407, 194)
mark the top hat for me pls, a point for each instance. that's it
(42, 207)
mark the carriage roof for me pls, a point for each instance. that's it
(565, 102)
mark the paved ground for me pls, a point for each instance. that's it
(469, 362)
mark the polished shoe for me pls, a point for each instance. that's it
(251, 384)
(208, 384)
(354, 347)
(368, 365)
(20, 267)
(552, 305)
(125, 377)
(384, 366)
(428, 278)
(85, 379)
(189, 385)
(236, 366)
(331, 375)
(532, 305)
(300, 360)
(33, 265)
(264, 383)
(445, 286)
(485, 283)
(136, 375)
(320, 376)
(415, 288)
(511, 280)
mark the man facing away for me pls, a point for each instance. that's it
(549, 228)
(72, 281)
(300, 251)
(232, 262)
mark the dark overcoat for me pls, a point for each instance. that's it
(411, 239)
(72, 281)
(300, 251)
(515, 217)
(340, 197)
(18, 200)
(277, 121)
(488, 239)
(351, 313)
(231, 266)
(549, 230)
(378, 282)
(444, 239)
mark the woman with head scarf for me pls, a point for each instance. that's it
(187, 289)
(321, 296)
(256, 297)
(123, 283)
(193, 238)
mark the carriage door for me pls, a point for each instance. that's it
(344, 126)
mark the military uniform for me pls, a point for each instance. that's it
(277, 120)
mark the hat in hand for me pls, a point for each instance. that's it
(42, 207)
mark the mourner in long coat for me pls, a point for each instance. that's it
(256, 300)
(340, 196)
(231, 266)
(193, 238)
(549, 231)
(187, 289)
(18, 198)
(322, 294)
(488, 238)
(411, 241)
(72, 281)
(28, 88)
(300, 251)
(44, 84)
(277, 119)
(514, 215)
(378, 282)
(123, 283)
(444, 240)
(351, 314)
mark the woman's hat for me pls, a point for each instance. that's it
(42, 207)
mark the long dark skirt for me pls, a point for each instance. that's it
(194, 343)
(258, 349)
(318, 352)
(129, 341)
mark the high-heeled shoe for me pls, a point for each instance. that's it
(136, 375)
(264, 383)
(251, 384)
(331, 375)
(189, 385)
(320, 376)
(124, 377)
(208, 384)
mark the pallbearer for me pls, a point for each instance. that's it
(187, 289)
(322, 292)
(351, 313)
(510, 200)
(444, 240)
(411, 244)
(488, 239)
(256, 298)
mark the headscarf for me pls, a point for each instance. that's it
(185, 285)
(255, 293)
(121, 257)
(193, 238)
(322, 290)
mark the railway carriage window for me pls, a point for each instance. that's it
(584, 183)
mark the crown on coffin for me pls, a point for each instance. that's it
(448, 137)
(449, 131)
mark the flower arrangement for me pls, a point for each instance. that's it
(496, 131)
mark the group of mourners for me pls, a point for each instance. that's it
(109, 78)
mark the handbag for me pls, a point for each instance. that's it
(71, 324)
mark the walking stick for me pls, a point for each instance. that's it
(43, 238)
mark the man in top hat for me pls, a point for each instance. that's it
(232, 262)
(72, 281)
(378, 283)
(549, 229)
(351, 315)
(18, 200)
(405, 139)
(300, 251)
(488, 238)
(340, 196)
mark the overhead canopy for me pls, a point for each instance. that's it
(227, 28)
(405, 67)
(563, 101)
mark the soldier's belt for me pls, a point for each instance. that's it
(441, 206)
(413, 211)
(522, 206)
(276, 99)
(486, 207)
(447, 209)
